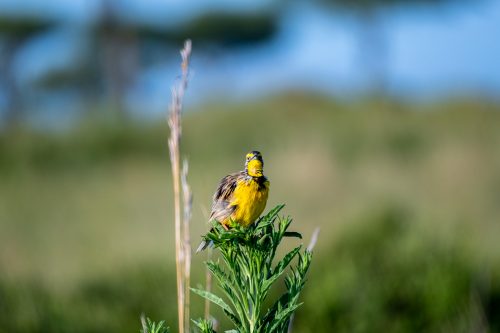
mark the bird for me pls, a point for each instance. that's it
(240, 197)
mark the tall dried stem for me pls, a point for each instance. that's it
(182, 246)
(208, 284)
(188, 203)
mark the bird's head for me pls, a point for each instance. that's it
(254, 164)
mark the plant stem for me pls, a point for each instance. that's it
(182, 250)
(208, 284)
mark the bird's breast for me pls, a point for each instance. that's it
(250, 197)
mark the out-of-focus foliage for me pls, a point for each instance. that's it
(406, 196)
(109, 54)
(23, 26)
(227, 29)
(377, 4)
(384, 276)
(110, 303)
(15, 32)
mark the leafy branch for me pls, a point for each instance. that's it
(247, 274)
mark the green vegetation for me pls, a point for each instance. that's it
(384, 276)
(406, 196)
(149, 326)
(249, 275)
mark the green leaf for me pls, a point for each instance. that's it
(292, 234)
(277, 306)
(282, 317)
(286, 260)
(213, 298)
(269, 217)
(152, 327)
(279, 269)
(283, 225)
(205, 326)
(236, 321)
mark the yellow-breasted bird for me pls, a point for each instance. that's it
(240, 197)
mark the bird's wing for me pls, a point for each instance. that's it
(221, 208)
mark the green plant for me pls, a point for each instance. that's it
(205, 326)
(149, 326)
(248, 274)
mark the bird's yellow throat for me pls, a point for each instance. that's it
(255, 168)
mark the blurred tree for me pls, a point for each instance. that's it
(119, 41)
(372, 47)
(228, 29)
(80, 76)
(108, 65)
(120, 48)
(117, 52)
(15, 32)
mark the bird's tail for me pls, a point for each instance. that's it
(204, 244)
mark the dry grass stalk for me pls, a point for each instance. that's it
(208, 284)
(314, 239)
(182, 247)
(143, 323)
(188, 204)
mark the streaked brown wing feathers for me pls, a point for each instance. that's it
(222, 197)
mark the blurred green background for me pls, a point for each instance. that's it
(392, 150)
(406, 197)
